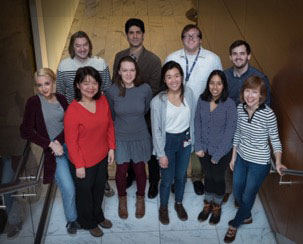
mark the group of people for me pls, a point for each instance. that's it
(189, 110)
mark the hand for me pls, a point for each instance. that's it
(57, 148)
(111, 156)
(213, 161)
(279, 168)
(80, 173)
(163, 161)
(200, 154)
(232, 165)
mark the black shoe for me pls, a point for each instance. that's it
(72, 227)
(153, 191)
(198, 187)
(172, 189)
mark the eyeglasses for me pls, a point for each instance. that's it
(193, 37)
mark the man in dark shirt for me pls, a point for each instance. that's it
(239, 55)
(150, 73)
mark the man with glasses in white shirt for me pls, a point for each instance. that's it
(197, 63)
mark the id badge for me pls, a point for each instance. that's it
(187, 143)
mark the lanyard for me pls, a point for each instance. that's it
(192, 67)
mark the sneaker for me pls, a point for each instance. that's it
(182, 215)
(106, 224)
(96, 232)
(108, 192)
(72, 227)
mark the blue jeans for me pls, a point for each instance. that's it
(248, 178)
(178, 159)
(66, 185)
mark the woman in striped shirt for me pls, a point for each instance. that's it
(251, 150)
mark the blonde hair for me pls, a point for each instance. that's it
(45, 72)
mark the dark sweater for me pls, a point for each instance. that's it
(33, 128)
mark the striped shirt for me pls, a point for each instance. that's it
(253, 134)
(67, 71)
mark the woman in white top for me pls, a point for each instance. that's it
(172, 124)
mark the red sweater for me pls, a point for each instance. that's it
(88, 136)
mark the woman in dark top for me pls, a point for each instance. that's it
(130, 101)
(43, 125)
(215, 124)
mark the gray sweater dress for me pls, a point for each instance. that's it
(133, 141)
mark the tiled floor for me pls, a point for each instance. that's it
(149, 230)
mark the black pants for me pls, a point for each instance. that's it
(214, 181)
(89, 194)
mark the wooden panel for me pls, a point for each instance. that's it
(273, 29)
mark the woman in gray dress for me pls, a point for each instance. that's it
(129, 100)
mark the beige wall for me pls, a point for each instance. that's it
(57, 18)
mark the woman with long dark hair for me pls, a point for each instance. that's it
(89, 134)
(215, 124)
(130, 101)
(172, 125)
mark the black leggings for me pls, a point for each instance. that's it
(214, 181)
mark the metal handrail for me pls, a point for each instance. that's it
(286, 171)
(16, 184)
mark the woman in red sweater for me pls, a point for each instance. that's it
(89, 136)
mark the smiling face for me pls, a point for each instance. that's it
(45, 86)
(191, 41)
(173, 79)
(216, 87)
(252, 97)
(135, 36)
(128, 73)
(239, 57)
(81, 48)
(88, 87)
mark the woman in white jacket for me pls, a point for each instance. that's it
(172, 118)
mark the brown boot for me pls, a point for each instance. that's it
(140, 207)
(123, 214)
(207, 209)
(163, 215)
(216, 215)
